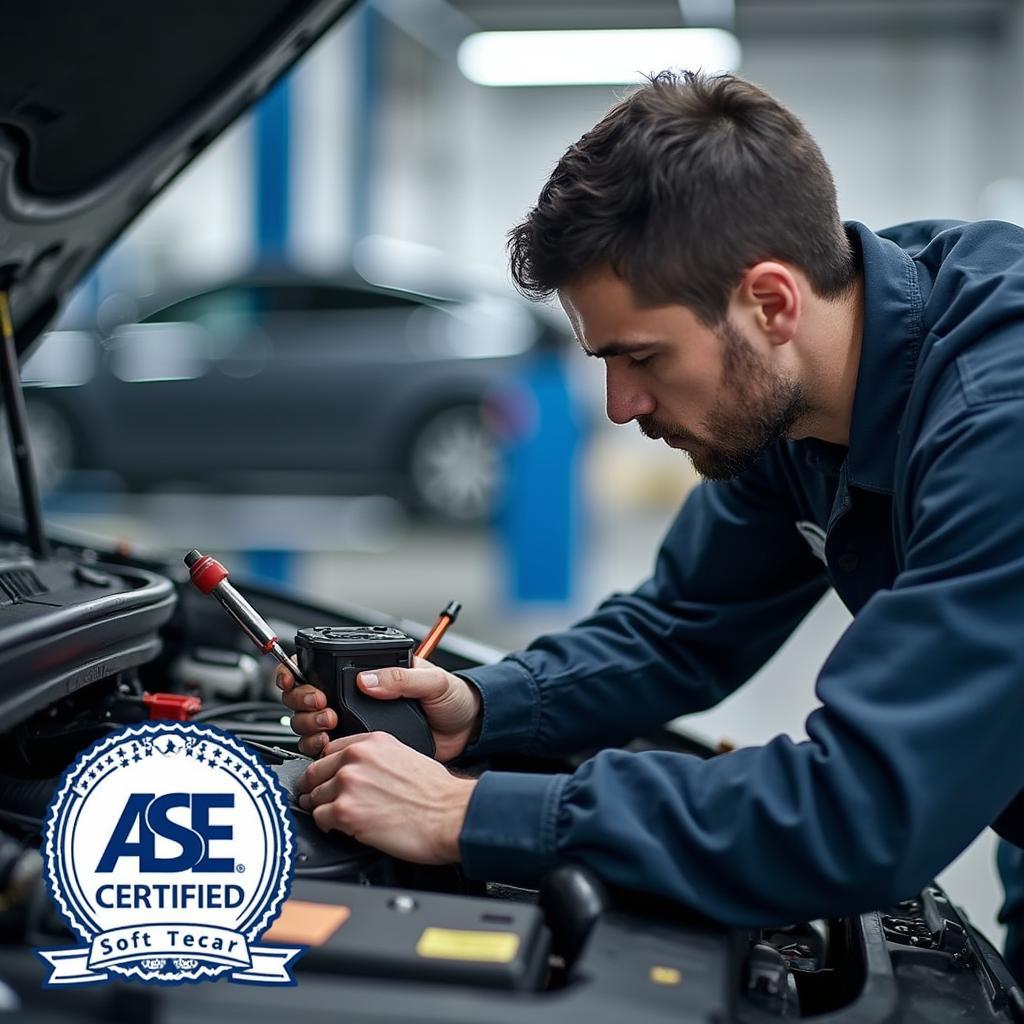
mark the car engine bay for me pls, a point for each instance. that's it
(90, 643)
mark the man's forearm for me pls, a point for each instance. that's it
(732, 565)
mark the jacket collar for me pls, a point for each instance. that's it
(889, 347)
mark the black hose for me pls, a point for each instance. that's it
(246, 707)
(23, 799)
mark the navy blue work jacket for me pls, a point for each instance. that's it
(918, 525)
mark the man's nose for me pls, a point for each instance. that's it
(625, 399)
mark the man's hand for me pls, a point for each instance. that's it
(388, 796)
(450, 704)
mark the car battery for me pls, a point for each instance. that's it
(331, 657)
(402, 934)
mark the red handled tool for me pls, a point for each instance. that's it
(210, 577)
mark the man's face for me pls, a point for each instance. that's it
(713, 393)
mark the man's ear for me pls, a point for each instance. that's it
(770, 292)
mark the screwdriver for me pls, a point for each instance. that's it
(448, 615)
(210, 577)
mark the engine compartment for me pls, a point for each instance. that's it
(90, 643)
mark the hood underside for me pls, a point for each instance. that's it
(103, 103)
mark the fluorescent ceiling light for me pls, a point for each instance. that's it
(593, 56)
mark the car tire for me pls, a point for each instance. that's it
(455, 466)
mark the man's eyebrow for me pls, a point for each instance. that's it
(620, 348)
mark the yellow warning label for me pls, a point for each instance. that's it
(484, 947)
(666, 976)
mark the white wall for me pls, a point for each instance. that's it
(910, 130)
(899, 124)
(323, 124)
(201, 225)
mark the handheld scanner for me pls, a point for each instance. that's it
(330, 657)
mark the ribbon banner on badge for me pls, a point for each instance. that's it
(193, 944)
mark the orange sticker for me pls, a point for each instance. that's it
(312, 924)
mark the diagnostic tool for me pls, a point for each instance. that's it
(330, 657)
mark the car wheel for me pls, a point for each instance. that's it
(52, 442)
(455, 466)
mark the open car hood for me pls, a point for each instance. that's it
(103, 103)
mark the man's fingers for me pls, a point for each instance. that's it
(311, 746)
(304, 698)
(308, 723)
(322, 794)
(323, 816)
(324, 768)
(318, 772)
(345, 741)
(312, 718)
(422, 683)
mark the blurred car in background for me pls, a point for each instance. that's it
(286, 382)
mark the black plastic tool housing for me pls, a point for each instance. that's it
(331, 657)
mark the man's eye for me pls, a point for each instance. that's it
(641, 360)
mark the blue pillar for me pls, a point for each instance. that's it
(272, 173)
(271, 566)
(272, 143)
(540, 516)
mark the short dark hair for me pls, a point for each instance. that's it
(680, 188)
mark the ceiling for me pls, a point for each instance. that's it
(764, 18)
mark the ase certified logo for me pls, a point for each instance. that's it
(168, 850)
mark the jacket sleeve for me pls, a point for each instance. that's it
(915, 749)
(732, 565)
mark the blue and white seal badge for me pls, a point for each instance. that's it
(169, 852)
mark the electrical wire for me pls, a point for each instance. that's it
(271, 709)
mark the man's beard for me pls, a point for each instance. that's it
(755, 409)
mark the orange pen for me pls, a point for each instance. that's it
(433, 638)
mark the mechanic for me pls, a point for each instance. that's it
(855, 404)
